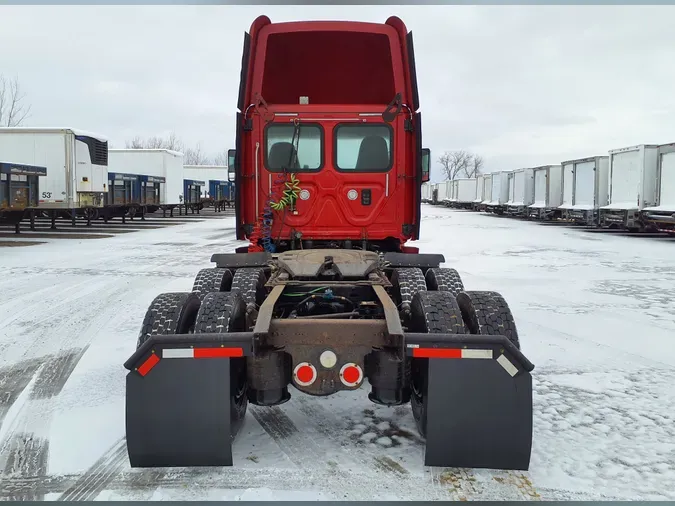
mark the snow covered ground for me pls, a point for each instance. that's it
(595, 314)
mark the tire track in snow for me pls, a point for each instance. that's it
(298, 447)
(56, 303)
(368, 459)
(99, 476)
(28, 453)
(454, 483)
(54, 375)
(13, 380)
(22, 271)
(311, 452)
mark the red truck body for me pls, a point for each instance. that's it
(358, 176)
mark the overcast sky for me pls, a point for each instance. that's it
(520, 85)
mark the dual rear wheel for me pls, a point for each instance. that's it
(437, 303)
(217, 303)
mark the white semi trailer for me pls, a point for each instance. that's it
(487, 192)
(585, 189)
(499, 194)
(661, 217)
(160, 169)
(547, 192)
(464, 192)
(76, 163)
(444, 193)
(521, 192)
(632, 186)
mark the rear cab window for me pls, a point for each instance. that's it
(363, 147)
(280, 147)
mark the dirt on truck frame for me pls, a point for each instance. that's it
(328, 296)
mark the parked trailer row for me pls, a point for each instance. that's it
(81, 177)
(632, 189)
(459, 193)
(218, 190)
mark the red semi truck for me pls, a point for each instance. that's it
(329, 296)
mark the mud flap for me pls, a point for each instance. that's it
(178, 407)
(179, 414)
(479, 412)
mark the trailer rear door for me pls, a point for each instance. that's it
(585, 184)
(487, 189)
(512, 187)
(667, 189)
(519, 188)
(625, 178)
(496, 191)
(540, 187)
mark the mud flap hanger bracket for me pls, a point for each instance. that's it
(449, 346)
(229, 345)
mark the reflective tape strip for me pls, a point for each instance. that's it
(477, 354)
(450, 353)
(146, 366)
(507, 365)
(437, 353)
(178, 353)
(202, 352)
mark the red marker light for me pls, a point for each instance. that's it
(351, 374)
(304, 374)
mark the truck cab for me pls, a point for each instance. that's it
(328, 142)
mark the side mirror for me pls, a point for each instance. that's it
(426, 164)
(231, 169)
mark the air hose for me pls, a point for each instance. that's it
(268, 213)
(263, 227)
(290, 194)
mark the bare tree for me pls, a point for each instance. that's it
(191, 155)
(221, 158)
(12, 109)
(195, 156)
(172, 142)
(135, 143)
(460, 164)
(454, 163)
(476, 166)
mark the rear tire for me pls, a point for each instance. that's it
(224, 312)
(487, 313)
(443, 279)
(250, 282)
(407, 283)
(169, 313)
(432, 313)
(212, 280)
